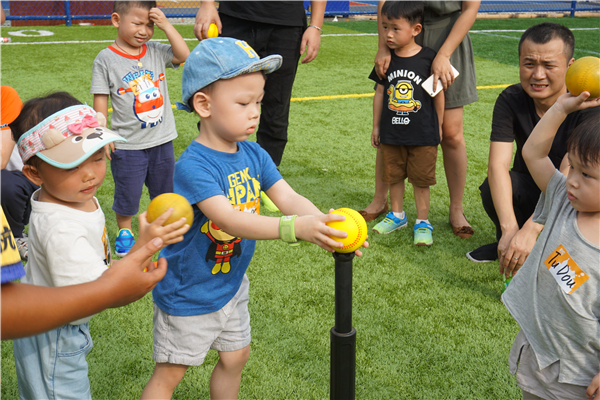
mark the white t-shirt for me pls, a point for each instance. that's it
(15, 163)
(66, 246)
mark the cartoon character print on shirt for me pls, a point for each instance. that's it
(222, 249)
(401, 98)
(106, 244)
(565, 270)
(244, 195)
(148, 100)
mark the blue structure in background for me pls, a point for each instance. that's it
(347, 8)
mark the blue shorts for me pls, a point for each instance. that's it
(52, 365)
(132, 169)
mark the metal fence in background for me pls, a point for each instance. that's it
(27, 13)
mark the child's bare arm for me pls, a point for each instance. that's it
(594, 388)
(101, 104)
(310, 225)
(180, 49)
(377, 108)
(537, 147)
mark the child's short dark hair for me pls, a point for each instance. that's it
(412, 11)
(585, 142)
(545, 32)
(38, 109)
(123, 7)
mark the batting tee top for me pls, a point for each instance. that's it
(554, 296)
(206, 269)
(408, 116)
(515, 117)
(142, 111)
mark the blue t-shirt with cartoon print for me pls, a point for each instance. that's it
(206, 269)
(408, 116)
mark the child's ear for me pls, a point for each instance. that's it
(417, 29)
(115, 19)
(201, 104)
(32, 173)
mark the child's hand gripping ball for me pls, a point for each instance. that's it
(213, 32)
(354, 225)
(180, 205)
(584, 75)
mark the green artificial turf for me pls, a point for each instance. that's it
(429, 323)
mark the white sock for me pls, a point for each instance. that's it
(422, 220)
(399, 215)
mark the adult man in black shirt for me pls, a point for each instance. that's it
(269, 27)
(509, 196)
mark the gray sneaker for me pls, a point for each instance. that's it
(23, 246)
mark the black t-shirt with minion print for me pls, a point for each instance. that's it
(408, 117)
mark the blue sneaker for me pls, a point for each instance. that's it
(390, 223)
(124, 242)
(423, 234)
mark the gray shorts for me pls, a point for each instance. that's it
(536, 383)
(186, 340)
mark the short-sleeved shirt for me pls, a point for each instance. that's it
(206, 269)
(66, 246)
(142, 111)
(555, 295)
(408, 115)
(515, 117)
(288, 13)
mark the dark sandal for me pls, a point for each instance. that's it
(463, 232)
(371, 216)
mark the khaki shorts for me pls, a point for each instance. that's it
(186, 340)
(417, 163)
(536, 383)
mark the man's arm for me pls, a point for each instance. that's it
(28, 310)
(501, 154)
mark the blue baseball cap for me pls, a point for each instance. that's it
(221, 58)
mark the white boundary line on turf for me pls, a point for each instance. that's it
(486, 33)
(489, 32)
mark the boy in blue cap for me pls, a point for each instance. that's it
(202, 303)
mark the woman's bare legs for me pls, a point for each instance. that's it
(455, 163)
(381, 189)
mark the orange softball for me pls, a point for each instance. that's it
(160, 204)
(584, 75)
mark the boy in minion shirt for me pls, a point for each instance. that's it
(202, 303)
(406, 120)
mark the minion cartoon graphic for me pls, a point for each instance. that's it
(401, 98)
